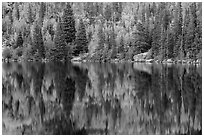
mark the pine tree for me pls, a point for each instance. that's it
(108, 13)
(143, 13)
(141, 39)
(19, 41)
(153, 9)
(90, 11)
(156, 37)
(42, 10)
(163, 44)
(166, 19)
(30, 19)
(113, 42)
(100, 38)
(101, 35)
(61, 50)
(170, 43)
(120, 10)
(99, 8)
(177, 28)
(117, 9)
(38, 40)
(81, 39)
(165, 22)
(16, 13)
(147, 25)
(197, 45)
(121, 48)
(9, 23)
(68, 24)
(178, 20)
(185, 31)
(191, 32)
(199, 20)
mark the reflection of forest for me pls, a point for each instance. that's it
(56, 98)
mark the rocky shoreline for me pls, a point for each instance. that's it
(78, 60)
(140, 58)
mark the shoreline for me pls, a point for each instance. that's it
(190, 62)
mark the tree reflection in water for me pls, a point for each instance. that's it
(94, 98)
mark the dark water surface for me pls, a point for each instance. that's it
(91, 98)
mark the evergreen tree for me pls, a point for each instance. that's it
(81, 39)
(170, 44)
(42, 11)
(190, 36)
(38, 40)
(68, 24)
(117, 9)
(143, 13)
(156, 37)
(185, 31)
(101, 35)
(120, 10)
(196, 45)
(19, 41)
(16, 12)
(90, 11)
(199, 20)
(60, 44)
(121, 48)
(165, 22)
(113, 42)
(163, 44)
(178, 29)
(141, 39)
(108, 13)
(99, 8)
(153, 9)
(30, 19)
(9, 23)
(147, 25)
(100, 40)
(178, 19)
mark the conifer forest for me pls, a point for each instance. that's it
(102, 31)
(102, 68)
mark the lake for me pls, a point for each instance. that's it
(95, 98)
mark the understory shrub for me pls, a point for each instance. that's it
(7, 53)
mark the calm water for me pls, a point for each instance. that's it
(56, 98)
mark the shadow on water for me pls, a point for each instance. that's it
(94, 98)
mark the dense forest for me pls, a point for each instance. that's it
(102, 31)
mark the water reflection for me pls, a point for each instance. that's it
(57, 98)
